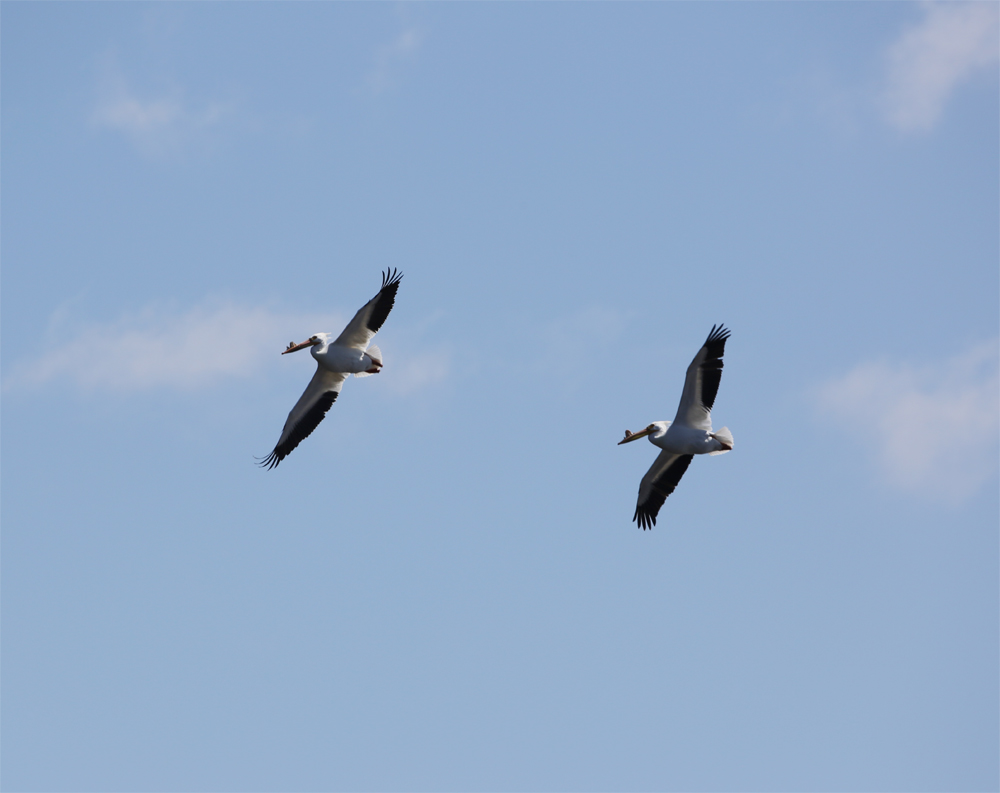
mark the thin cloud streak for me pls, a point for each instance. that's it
(197, 349)
(926, 63)
(391, 57)
(156, 126)
(932, 430)
(407, 373)
(156, 349)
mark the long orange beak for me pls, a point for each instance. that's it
(634, 436)
(292, 347)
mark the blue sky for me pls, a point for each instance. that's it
(441, 589)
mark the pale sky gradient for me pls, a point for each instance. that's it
(442, 588)
(952, 43)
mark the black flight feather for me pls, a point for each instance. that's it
(302, 430)
(384, 300)
(663, 486)
(711, 367)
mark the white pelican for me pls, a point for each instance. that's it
(350, 353)
(690, 432)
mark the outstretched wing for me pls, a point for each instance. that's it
(702, 382)
(308, 412)
(369, 319)
(658, 483)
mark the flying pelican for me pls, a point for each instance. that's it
(690, 432)
(350, 353)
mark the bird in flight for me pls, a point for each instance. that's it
(690, 432)
(350, 353)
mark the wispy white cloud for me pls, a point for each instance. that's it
(390, 59)
(157, 348)
(931, 429)
(927, 62)
(414, 360)
(414, 371)
(157, 125)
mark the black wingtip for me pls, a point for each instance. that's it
(711, 365)
(390, 277)
(665, 484)
(643, 520)
(384, 300)
(302, 430)
(269, 462)
(718, 333)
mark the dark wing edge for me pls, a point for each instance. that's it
(383, 302)
(302, 430)
(711, 367)
(661, 487)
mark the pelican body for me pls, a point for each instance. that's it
(680, 439)
(690, 432)
(337, 358)
(350, 353)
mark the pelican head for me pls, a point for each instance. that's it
(312, 341)
(656, 429)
